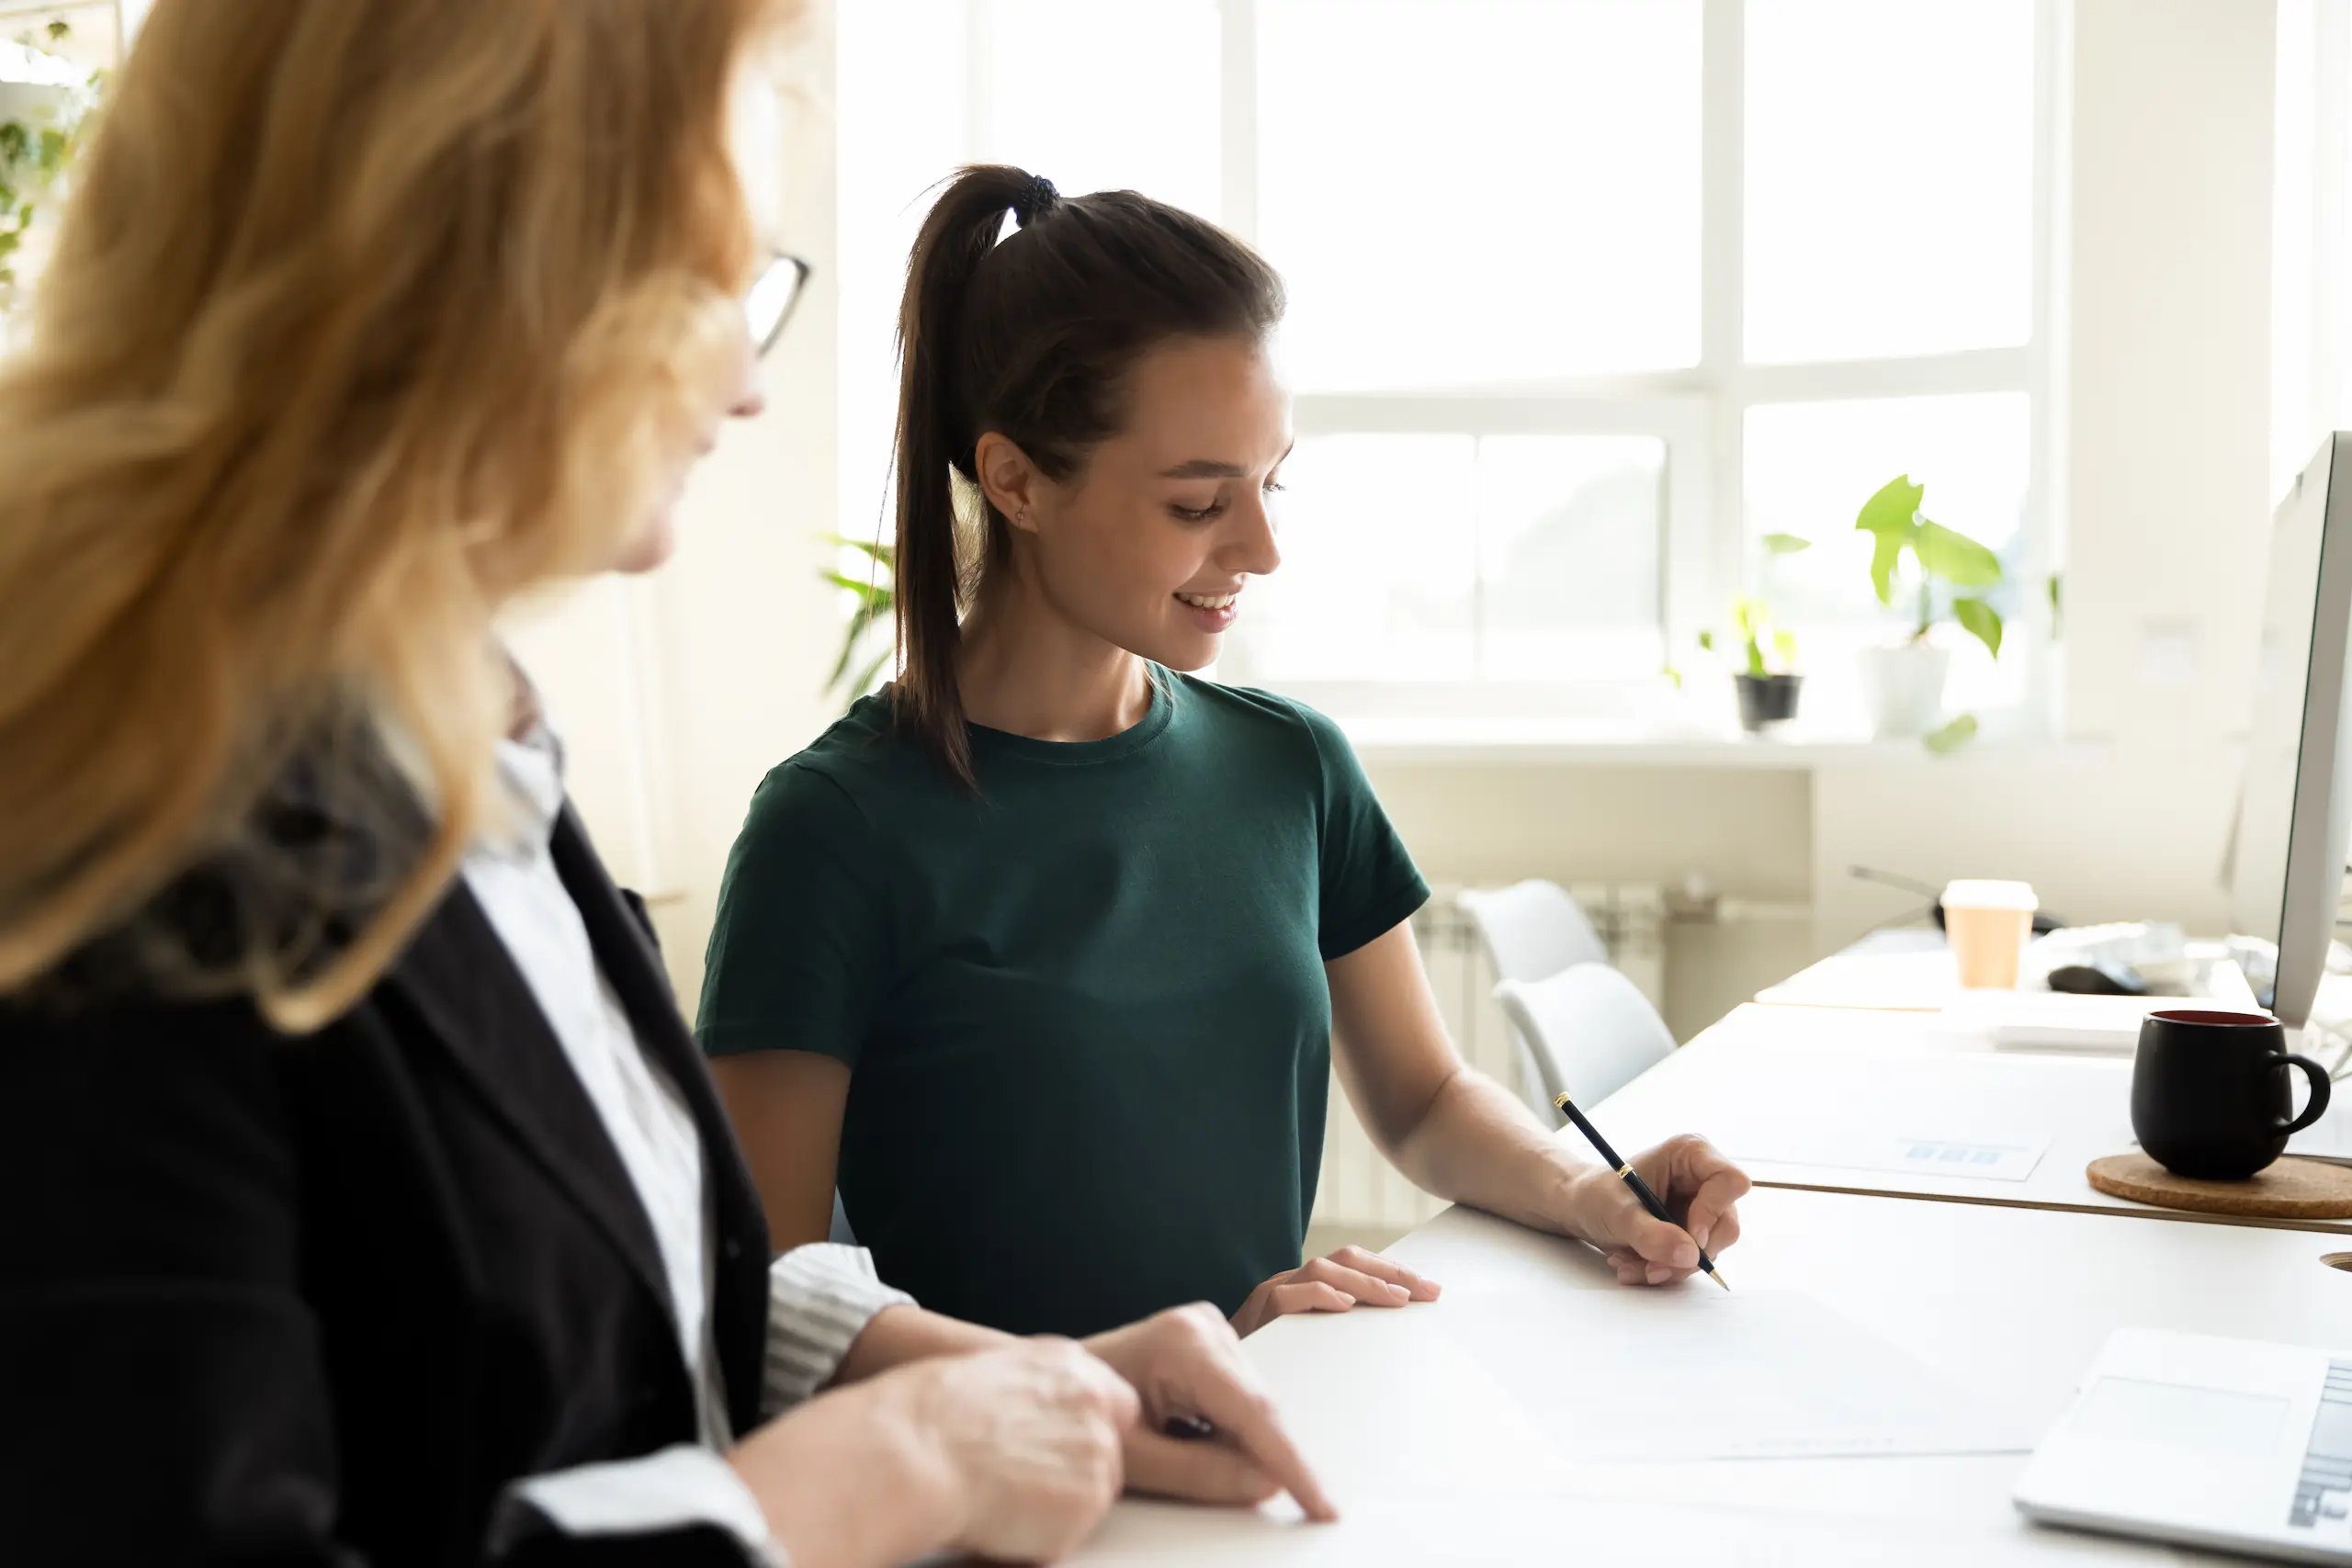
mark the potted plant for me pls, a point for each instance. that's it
(1767, 683)
(1905, 683)
(869, 639)
(44, 101)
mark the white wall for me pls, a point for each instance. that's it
(737, 631)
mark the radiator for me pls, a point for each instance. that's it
(1358, 1187)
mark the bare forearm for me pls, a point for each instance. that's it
(1476, 1143)
(906, 1333)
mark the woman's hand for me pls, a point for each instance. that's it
(1011, 1454)
(1698, 1187)
(1336, 1283)
(1033, 1437)
(1186, 1366)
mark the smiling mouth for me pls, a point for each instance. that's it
(1210, 600)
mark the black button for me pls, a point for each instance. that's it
(734, 1249)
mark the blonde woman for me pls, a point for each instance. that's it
(362, 1195)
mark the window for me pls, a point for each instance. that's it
(1532, 556)
(1889, 179)
(1587, 298)
(1549, 151)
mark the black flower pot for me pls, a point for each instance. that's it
(1766, 699)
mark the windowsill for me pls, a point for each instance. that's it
(1469, 740)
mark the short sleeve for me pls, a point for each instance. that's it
(1370, 884)
(801, 952)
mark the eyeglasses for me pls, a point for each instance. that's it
(767, 306)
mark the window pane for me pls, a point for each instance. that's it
(1890, 177)
(1811, 465)
(1105, 97)
(1491, 190)
(1568, 557)
(1418, 557)
(1380, 564)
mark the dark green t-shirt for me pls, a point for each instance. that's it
(1085, 1012)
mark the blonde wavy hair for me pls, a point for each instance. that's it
(363, 318)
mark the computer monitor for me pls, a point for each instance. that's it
(2295, 812)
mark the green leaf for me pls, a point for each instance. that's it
(1886, 554)
(1785, 544)
(59, 32)
(867, 592)
(1955, 556)
(1671, 673)
(2057, 610)
(1707, 641)
(1784, 643)
(1892, 516)
(874, 549)
(1952, 737)
(867, 676)
(1981, 621)
(854, 635)
(1894, 509)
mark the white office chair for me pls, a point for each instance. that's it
(1587, 1032)
(1533, 929)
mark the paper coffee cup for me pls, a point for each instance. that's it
(1986, 924)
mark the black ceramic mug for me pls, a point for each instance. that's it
(2209, 1092)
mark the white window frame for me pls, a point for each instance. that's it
(1701, 412)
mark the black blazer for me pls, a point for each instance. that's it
(319, 1300)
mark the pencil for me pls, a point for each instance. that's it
(1633, 1179)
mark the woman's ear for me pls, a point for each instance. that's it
(1007, 478)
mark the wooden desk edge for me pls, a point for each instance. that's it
(2120, 1209)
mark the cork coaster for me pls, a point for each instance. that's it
(2289, 1189)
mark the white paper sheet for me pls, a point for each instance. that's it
(1654, 1376)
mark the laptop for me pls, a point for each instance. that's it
(2226, 1443)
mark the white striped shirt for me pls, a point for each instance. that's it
(820, 1297)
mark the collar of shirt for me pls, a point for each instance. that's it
(531, 767)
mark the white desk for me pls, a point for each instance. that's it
(1772, 1081)
(1905, 971)
(2010, 1288)
(1432, 1460)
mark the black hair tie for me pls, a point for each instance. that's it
(1036, 200)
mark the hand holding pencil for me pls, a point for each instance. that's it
(1664, 1215)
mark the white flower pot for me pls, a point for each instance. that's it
(1905, 688)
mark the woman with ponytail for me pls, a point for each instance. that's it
(1042, 956)
(363, 1198)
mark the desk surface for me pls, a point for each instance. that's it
(1433, 1460)
(2008, 1287)
(1903, 971)
(1787, 1092)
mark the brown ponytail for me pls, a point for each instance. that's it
(1032, 338)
